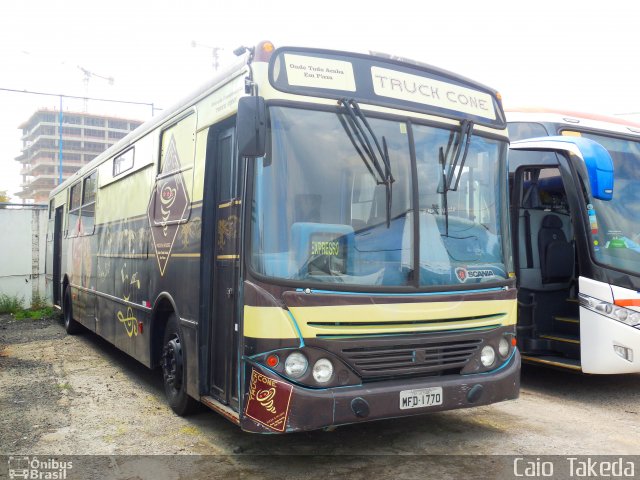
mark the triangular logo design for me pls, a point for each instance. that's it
(168, 204)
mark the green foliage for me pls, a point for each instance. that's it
(38, 302)
(34, 314)
(14, 305)
(11, 303)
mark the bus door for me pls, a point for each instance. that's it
(547, 203)
(57, 256)
(547, 270)
(224, 213)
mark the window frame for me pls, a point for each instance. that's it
(93, 175)
(71, 231)
(72, 209)
(123, 155)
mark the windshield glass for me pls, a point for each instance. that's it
(615, 224)
(460, 230)
(320, 215)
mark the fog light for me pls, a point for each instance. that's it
(322, 371)
(624, 352)
(296, 365)
(487, 356)
(503, 347)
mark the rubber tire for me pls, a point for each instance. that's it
(70, 325)
(177, 398)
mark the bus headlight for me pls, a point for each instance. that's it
(322, 370)
(615, 312)
(487, 356)
(296, 365)
(503, 347)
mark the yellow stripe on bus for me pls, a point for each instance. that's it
(267, 322)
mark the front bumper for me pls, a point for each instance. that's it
(274, 406)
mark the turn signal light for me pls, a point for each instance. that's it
(272, 361)
(263, 51)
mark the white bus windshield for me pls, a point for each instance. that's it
(319, 214)
(615, 224)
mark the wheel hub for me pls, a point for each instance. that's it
(172, 363)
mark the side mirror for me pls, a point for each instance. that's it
(596, 159)
(251, 127)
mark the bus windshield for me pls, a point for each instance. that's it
(321, 214)
(615, 224)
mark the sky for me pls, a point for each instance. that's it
(568, 54)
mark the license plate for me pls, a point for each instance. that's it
(423, 397)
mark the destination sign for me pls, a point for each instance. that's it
(414, 88)
(317, 72)
(385, 82)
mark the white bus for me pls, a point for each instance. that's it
(577, 248)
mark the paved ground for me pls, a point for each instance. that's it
(79, 395)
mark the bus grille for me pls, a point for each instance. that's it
(415, 359)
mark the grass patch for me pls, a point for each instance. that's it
(34, 314)
(14, 305)
(11, 303)
(38, 302)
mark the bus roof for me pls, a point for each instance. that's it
(155, 122)
(570, 117)
(233, 72)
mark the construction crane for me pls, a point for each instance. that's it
(87, 76)
(215, 53)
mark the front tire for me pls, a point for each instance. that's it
(70, 325)
(174, 370)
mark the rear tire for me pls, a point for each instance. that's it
(174, 372)
(70, 325)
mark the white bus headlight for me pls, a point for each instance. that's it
(487, 356)
(503, 347)
(296, 365)
(615, 312)
(322, 370)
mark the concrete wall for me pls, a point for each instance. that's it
(23, 233)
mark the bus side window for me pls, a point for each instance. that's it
(73, 214)
(88, 209)
(123, 162)
(522, 130)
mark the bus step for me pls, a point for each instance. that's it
(562, 344)
(222, 409)
(553, 361)
(559, 318)
(561, 338)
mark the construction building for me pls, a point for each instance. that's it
(84, 137)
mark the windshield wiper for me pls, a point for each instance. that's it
(466, 130)
(361, 131)
(452, 170)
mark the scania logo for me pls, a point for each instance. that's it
(485, 273)
(461, 273)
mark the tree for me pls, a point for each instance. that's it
(4, 198)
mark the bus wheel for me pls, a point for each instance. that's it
(174, 372)
(70, 325)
